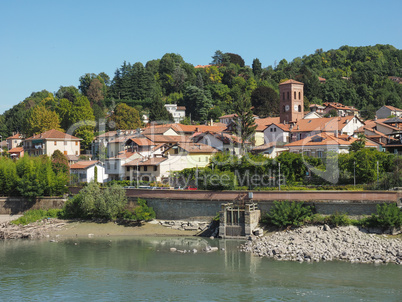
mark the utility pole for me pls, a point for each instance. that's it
(279, 181)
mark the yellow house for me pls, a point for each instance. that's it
(47, 142)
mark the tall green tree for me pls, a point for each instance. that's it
(197, 103)
(265, 101)
(41, 119)
(159, 113)
(244, 124)
(125, 117)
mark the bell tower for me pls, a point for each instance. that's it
(291, 106)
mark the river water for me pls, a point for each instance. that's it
(144, 269)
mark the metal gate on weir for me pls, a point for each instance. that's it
(235, 223)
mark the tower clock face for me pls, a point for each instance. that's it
(287, 107)
(295, 107)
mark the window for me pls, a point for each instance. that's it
(288, 94)
(299, 108)
(55, 143)
(76, 153)
(294, 95)
(145, 168)
(283, 109)
(128, 169)
(274, 129)
(76, 143)
(283, 96)
(319, 154)
(115, 165)
(299, 95)
(155, 168)
(270, 130)
(206, 158)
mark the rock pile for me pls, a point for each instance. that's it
(322, 243)
(32, 231)
(186, 225)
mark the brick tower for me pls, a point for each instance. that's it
(291, 106)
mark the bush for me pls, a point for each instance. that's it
(285, 214)
(388, 216)
(339, 219)
(92, 202)
(141, 212)
(35, 215)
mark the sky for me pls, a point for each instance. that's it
(48, 44)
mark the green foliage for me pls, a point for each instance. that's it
(159, 113)
(265, 101)
(93, 202)
(284, 214)
(388, 215)
(125, 117)
(141, 212)
(35, 215)
(339, 219)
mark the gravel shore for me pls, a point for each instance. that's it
(322, 243)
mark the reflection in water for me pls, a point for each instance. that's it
(144, 269)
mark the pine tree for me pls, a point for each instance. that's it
(244, 125)
(159, 113)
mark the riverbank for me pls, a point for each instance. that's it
(322, 243)
(56, 228)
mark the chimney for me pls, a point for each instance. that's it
(375, 117)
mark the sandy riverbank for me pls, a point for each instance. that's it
(83, 229)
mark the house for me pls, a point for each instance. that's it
(159, 130)
(270, 150)
(175, 158)
(262, 124)
(101, 142)
(48, 142)
(318, 145)
(178, 112)
(14, 141)
(312, 114)
(85, 171)
(16, 152)
(386, 111)
(115, 165)
(277, 133)
(317, 108)
(220, 141)
(228, 119)
(341, 110)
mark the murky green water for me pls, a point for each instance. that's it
(144, 269)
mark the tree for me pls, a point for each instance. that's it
(257, 69)
(126, 117)
(40, 120)
(95, 91)
(244, 125)
(235, 59)
(265, 101)
(197, 103)
(358, 144)
(159, 113)
(60, 162)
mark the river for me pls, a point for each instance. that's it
(144, 269)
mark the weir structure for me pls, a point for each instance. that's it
(239, 218)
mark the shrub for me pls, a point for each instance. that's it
(284, 214)
(35, 215)
(339, 219)
(388, 215)
(141, 212)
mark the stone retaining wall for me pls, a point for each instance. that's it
(17, 205)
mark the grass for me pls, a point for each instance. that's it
(35, 215)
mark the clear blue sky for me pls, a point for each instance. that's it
(48, 44)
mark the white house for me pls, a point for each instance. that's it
(86, 170)
(387, 111)
(178, 112)
(115, 165)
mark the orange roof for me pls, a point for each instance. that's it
(15, 136)
(142, 141)
(16, 150)
(202, 66)
(321, 124)
(325, 139)
(167, 138)
(123, 155)
(291, 82)
(392, 108)
(263, 123)
(180, 128)
(339, 106)
(84, 164)
(225, 137)
(53, 135)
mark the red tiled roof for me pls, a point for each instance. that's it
(339, 106)
(197, 148)
(16, 150)
(16, 136)
(53, 135)
(326, 139)
(263, 123)
(167, 138)
(142, 141)
(291, 82)
(84, 164)
(392, 108)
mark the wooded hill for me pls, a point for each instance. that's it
(355, 76)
